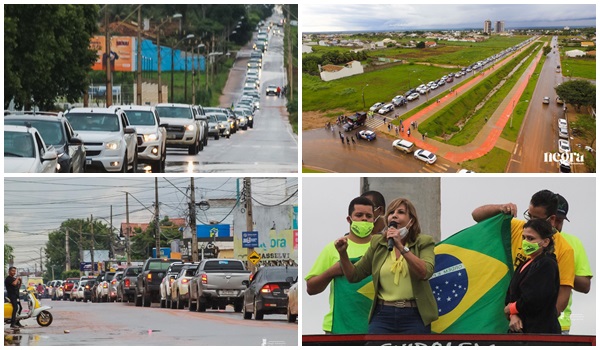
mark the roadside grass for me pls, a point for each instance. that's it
(579, 67)
(494, 161)
(307, 170)
(511, 130)
(346, 93)
(292, 93)
(445, 121)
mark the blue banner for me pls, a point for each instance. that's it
(250, 239)
(209, 231)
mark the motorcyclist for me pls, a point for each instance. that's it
(40, 290)
(12, 283)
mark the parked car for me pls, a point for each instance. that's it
(73, 294)
(546, 100)
(562, 123)
(126, 287)
(57, 132)
(68, 287)
(559, 100)
(110, 141)
(78, 294)
(425, 156)
(267, 293)
(167, 282)
(151, 134)
(564, 146)
(26, 152)
(180, 291)
(403, 145)
(147, 288)
(224, 124)
(367, 135)
(564, 166)
(88, 283)
(184, 129)
(376, 107)
(100, 290)
(292, 308)
(386, 108)
(399, 100)
(563, 133)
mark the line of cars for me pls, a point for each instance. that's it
(111, 139)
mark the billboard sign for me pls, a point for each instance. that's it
(250, 239)
(122, 53)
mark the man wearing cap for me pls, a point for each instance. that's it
(583, 271)
(543, 205)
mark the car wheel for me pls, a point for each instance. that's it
(191, 305)
(163, 303)
(237, 307)
(180, 304)
(146, 301)
(258, 315)
(173, 303)
(228, 136)
(216, 137)
(124, 165)
(201, 145)
(201, 306)
(193, 149)
(205, 140)
(135, 163)
(137, 300)
(291, 318)
(247, 315)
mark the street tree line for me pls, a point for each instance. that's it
(311, 61)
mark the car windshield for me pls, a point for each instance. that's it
(159, 265)
(281, 274)
(18, 144)
(174, 112)
(221, 117)
(176, 268)
(225, 265)
(94, 121)
(133, 272)
(141, 118)
(51, 131)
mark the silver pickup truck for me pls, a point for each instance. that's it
(217, 283)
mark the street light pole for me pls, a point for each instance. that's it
(190, 36)
(363, 95)
(139, 59)
(159, 49)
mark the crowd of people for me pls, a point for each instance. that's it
(385, 249)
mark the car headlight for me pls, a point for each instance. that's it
(190, 127)
(113, 145)
(250, 118)
(150, 137)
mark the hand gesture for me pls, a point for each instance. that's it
(341, 244)
(515, 325)
(509, 208)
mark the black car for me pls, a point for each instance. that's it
(410, 92)
(56, 131)
(268, 291)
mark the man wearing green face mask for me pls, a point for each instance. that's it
(348, 313)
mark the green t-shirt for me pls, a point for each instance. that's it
(582, 268)
(326, 259)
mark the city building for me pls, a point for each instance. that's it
(487, 26)
(499, 27)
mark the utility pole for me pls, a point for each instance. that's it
(92, 250)
(249, 219)
(156, 218)
(139, 58)
(193, 222)
(290, 57)
(68, 255)
(108, 67)
(110, 236)
(128, 229)
(41, 262)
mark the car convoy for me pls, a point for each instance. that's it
(197, 287)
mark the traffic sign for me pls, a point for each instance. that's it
(254, 257)
(249, 239)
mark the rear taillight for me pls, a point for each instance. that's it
(204, 278)
(127, 283)
(113, 282)
(268, 288)
(149, 277)
(185, 280)
(105, 285)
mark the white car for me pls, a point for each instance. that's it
(386, 108)
(26, 152)
(562, 123)
(563, 133)
(185, 126)
(152, 136)
(546, 100)
(110, 141)
(399, 100)
(413, 96)
(403, 145)
(180, 288)
(376, 107)
(563, 146)
(425, 156)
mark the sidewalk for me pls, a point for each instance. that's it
(488, 137)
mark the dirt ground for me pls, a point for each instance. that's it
(316, 119)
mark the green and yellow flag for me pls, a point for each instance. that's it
(473, 269)
(352, 305)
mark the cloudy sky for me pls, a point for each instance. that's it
(325, 204)
(33, 207)
(327, 17)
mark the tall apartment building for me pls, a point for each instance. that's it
(487, 26)
(499, 27)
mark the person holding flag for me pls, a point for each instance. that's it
(531, 296)
(401, 261)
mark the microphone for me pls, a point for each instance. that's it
(391, 240)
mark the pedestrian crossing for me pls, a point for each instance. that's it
(434, 168)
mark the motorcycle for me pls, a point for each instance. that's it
(35, 309)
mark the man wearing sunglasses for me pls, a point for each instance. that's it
(543, 205)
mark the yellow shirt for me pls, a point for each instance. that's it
(395, 280)
(562, 249)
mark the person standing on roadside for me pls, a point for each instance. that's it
(12, 283)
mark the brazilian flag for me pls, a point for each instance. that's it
(352, 305)
(473, 269)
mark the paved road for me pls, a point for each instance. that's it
(269, 147)
(120, 324)
(539, 132)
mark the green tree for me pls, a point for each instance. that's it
(586, 128)
(46, 51)
(143, 241)
(8, 252)
(547, 49)
(577, 93)
(421, 45)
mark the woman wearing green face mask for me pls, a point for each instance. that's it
(403, 302)
(531, 297)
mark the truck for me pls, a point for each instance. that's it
(218, 283)
(356, 120)
(147, 287)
